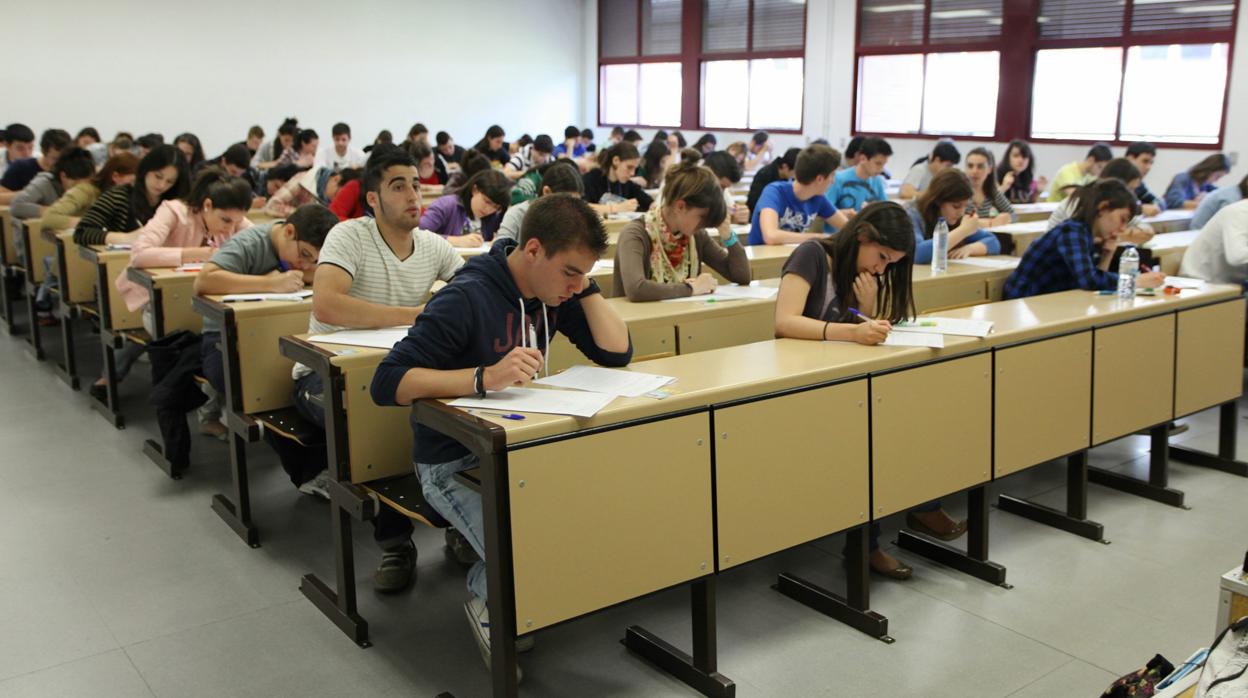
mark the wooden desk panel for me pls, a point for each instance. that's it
(778, 483)
(79, 287)
(755, 323)
(1133, 377)
(6, 231)
(951, 292)
(1043, 401)
(264, 372)
(931, 432)
(614, 498)
(176, 298)
(1209, 367)
(380, 438)
(120, 317)
(36, 249)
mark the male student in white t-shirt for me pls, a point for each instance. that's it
(340, 155)
(372, 273)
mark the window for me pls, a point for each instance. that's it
(743, 68)
(1076, 70)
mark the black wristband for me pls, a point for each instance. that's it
(589, 290)
(478, 381)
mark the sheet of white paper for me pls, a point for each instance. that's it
(378, 339)
(915, 339)
(604, 264)
(730, 292)
(994, 263)
(569, 402)
(1170, 241)
(608, 381)
(628, 215)
(244, 297)
(947, 325)
(482, 249)
(117, 247)
(192, 266)
(1184, 282)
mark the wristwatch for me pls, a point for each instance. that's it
(478, 382)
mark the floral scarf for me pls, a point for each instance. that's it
(673, 258)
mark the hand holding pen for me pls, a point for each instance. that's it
(870, 331)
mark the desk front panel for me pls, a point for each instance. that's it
(585, 510)
(782, 478)
(755, 323)
(6, 230)
(80, 286)
(264, 374)
(950, 292)
(1043, 401)
(1133, 377)
(179, 314)
(36, 249)
(380, 438)
(120, 317)
(1209, 366)
(931, 432)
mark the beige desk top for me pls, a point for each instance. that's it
(100, 254)
(256, 309)
(161, 277)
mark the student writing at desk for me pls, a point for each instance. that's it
(861, 184)
(943, 156)
(661, 255)
(1142, 154)
(948, 197)
(851, 287)
(275, 257)
(471, 215)
(67, 211)
(1188, 188)
(557, 177)
(1208, 208)
(611, 184)
(787, 208)
(1077, 253)
(489, 330)
(1137, 231)
(1078, 173)
(374, 272)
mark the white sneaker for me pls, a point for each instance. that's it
(479, 620)
(317, 486)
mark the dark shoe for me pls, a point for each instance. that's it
(460, 548)
(958, 530)
(397, 569)
(99, 392)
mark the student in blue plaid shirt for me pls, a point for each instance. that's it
(1077, 253)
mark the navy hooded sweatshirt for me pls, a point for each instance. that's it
(475, 321)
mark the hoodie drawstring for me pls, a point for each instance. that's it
(527, 339)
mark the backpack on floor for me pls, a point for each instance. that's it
(1142, 682)
(1223, 675)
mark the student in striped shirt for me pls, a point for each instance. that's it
(986, 200)
(375, 272)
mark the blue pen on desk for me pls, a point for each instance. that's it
(503, 415)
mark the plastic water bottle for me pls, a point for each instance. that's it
(940, 247)
(1128, 270)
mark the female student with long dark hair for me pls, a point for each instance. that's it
(1016, 174)
(269, 153)
(1209, 205)
(491, 145)
(865, 266)
(1188, 188)
(654, 164)
(987, 201)
(948, 197)
(661, 254)
(1078, 253)
(162, 175)
(189, 144)
(303, 154)
(706, 144)
(471, 215)
(611, 183)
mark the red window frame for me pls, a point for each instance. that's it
(1018, 44)
(692, 56)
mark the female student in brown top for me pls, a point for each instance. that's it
(660, 255)
(865, 266)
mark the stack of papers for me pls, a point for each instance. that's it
(1184, 282)
(569, 402)
(246, 297)
(990, 263)
(915, 339)
(377, 339)
(946, 325)
(731, 292)
(608, 381)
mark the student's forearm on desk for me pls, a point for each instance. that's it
(802, 327)
(215, 280)
(347, 311)
(420, 383)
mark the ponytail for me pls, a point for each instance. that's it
(622, 150)
(225, 191)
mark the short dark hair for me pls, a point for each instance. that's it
(381, 160)
(1101, 152)
(312, 223)
(704, 140)
(873, 146)
(89, 132)
(341, 129)
(491, 182)
(816, 161)
(1121, 168)
(561, 222)
(851, 148)
(946, 151)
(282, 173)
(306, 136)
(237, 155)
(255, 132)
(586, 133)
(74, 163)
(632, 136)
(419, 150)
(544, 144)
(617, 131)
(54, 139)
(150, 140)
(562, 177)
(723, 165)
(759, 137)
(417, 129)
(1086, 201)
(442, 138)
(19, 133)
(789, 159)
(225, 191)
(571, 132)
(1139, 148)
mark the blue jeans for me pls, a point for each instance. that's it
(461, 506)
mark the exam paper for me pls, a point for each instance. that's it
(946, 325)
(995, 263)
(1184, 282)
(915, 339)
(378, 339)
(730, 292)
(244, 297)
(608, 381)
(570, 402)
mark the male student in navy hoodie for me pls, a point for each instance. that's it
(488, 330)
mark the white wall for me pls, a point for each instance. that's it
(217, 68)
(829, 102)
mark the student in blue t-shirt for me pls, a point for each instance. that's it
(861, 184)
(785, 209)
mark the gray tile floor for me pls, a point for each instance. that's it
(115, 581)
